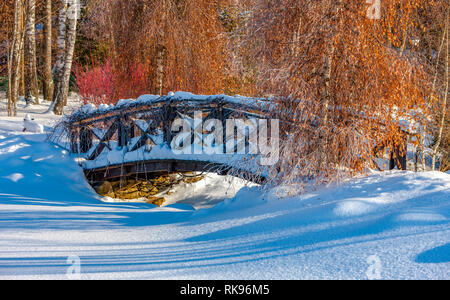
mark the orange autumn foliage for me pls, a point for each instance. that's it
(178, 41)
(357, 79)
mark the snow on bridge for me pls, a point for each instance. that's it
(180, 132)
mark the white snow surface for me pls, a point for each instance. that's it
(178, 96)
(49, 213)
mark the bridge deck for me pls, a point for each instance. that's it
(168, 166)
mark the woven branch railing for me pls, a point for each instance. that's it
(149, 123)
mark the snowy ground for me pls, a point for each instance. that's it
(393, 225)
(39, 112)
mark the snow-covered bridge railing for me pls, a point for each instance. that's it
(180, 132)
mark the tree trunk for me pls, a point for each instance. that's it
(47, 66)
(71, 41)
(22, 55)
(31, 82)
(63, 77)
(161, 52)
(22, 66)
(444, 105)
(326, 90)
(296, 41)
(14, 59)
(327, 84)
(433, 88)
(60, 53)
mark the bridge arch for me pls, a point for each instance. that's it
(137, 136)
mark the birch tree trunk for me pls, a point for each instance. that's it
(15, 58)
(30, 76)
(47, 66)
(444, 104)
(326, 90)
(22, 55)
(70, 44)
(161, 52)
(433, 88)
(63, 77)
(61, 50)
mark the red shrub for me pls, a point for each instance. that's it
(103, 83)
(96, 84)
(131, 82)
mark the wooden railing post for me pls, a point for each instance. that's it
(122, 133)
(85, 139)
(399, 157)
(403, 155)
(221, 116)
(74, 138)
(168, 118)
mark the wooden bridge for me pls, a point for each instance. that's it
(143, 137)
(137, 138)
